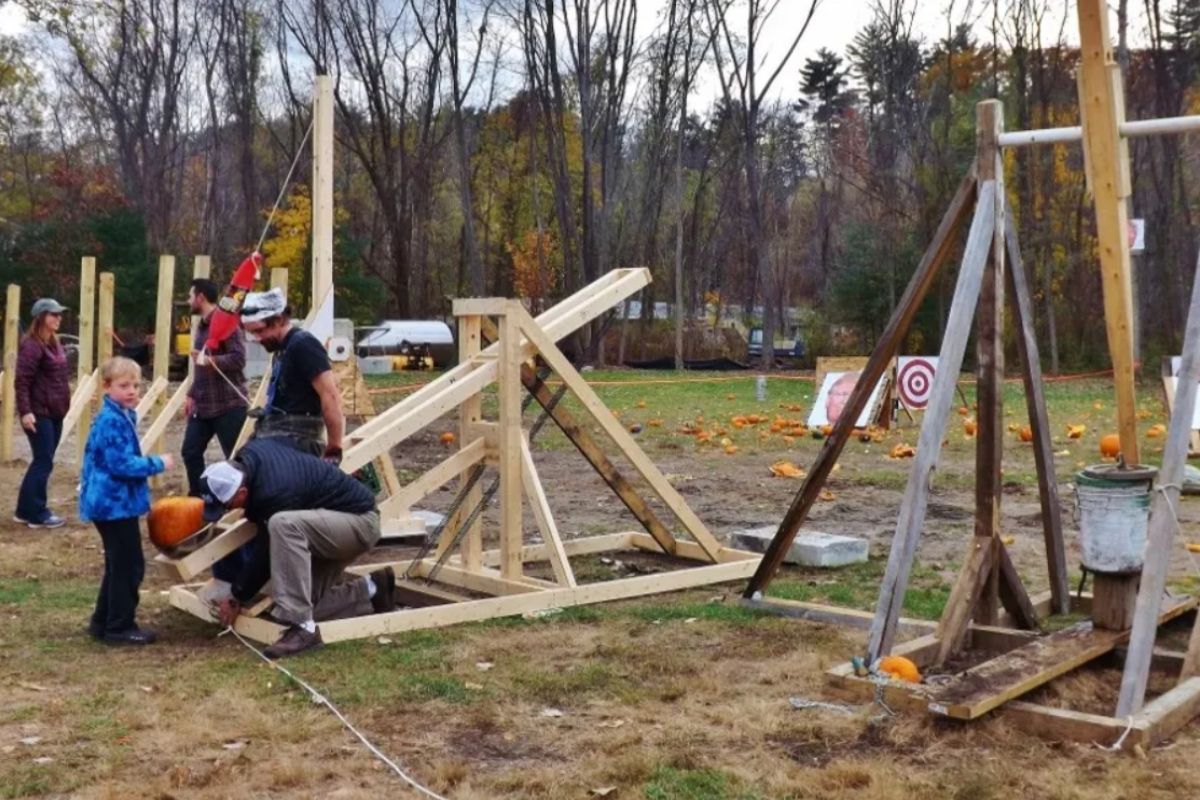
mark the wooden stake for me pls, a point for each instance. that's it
(163, 331)
(1035, 405)
(470, 413)
(322, 209)
(1163, 520)
(989, 339)
(87, 343)
(545, 519)
(509, 389)
(1102, 106)
(916, 495)
(885, 350)
(8, 406)
(104, 319)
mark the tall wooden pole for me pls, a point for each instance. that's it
(164, 332)
(509, 388)
(104, 319)
(322, 208)
(1102, 106)
(87, 341)
(8, 404)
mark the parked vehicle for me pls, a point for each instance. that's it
(412, 338)
(786, 350)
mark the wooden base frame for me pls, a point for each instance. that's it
(463, 570)
(448, 606)
(1156, 721)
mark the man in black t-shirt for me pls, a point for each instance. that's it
(302, 393)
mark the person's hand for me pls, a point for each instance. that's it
(228, 610)
(168, 462)
(333, 455)
(189, 406)
(29, 423)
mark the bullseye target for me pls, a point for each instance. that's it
(914, 380)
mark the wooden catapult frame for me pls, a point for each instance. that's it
(1126, 611)
(518, 343)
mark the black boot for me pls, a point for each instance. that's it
(385, 590)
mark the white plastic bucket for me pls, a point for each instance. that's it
(1113, 517)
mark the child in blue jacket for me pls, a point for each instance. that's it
(113, 494)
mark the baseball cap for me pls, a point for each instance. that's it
(218, 485)
(46, 304)
(263, 305)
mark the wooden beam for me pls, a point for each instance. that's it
(584, 545)
(163, 333)
(1160, 535)
(258, 629)
(989, 349)
(234, 536)
(104, 319)
(590, 450)
(150, 398)
(509, 391)
(980, 689)
(690, 550)
(1035, 406)
(964, 597)
(601, 414)
(87, 344)
(479, 306)
(322, 209)
(470, 412)
(155, 431)
(881, 358)
(1166, 714)
(81, 403)
(545, 519)
(1013, 596)
(416, 491)
(911, 519)
(8, 404)
(488, 581)
(1102, 106)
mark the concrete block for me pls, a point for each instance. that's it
(810, 548)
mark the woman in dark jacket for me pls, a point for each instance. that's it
(43, 397)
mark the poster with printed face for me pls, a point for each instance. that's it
(835, 393)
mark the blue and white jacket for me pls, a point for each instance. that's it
(114, 469)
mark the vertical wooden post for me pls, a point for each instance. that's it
(509, 389)
(87, 341)
(989, 339)
(469, 413)
(164, 332)
(104, 319)
(322, 208)
(8, 403)
(1102, 105)
(201, 268)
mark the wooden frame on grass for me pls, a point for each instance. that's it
(443, 579)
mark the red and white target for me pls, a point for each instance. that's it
(914, 380)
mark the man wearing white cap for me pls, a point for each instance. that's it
(313, 520)
(302, 392)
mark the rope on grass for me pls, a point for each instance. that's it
(321, 699)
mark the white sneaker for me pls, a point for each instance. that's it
(52, 521)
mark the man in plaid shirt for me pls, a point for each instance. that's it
(216, 404)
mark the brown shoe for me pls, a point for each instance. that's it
(385, 590)
(295, 640)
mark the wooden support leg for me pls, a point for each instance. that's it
(1013, 595)
(1035, 403)
(545, 520)
(916, 494)
(509, 389)
(885, 350)
(964, 597)
(470, 413)
(1161, 533)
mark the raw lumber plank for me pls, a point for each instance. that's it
(509, 390)
(585, 545)
(155, 431)
(255, 628)
(1035, 404)
(87, 343)
(150, 398)
(691, 550)
(1102, 107)
(1163, 523)
(415, 491)
(1013, 596)
(982, 688)
(881, 358)
(12, 315)
(1169, 712)
(233, 537)
(81, 403)
(964, 597)
(545, 519)
(911, 519)
(470, 412)
(616, 431)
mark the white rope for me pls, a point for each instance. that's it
(1120, 739)
(321, 699)
(804, 703)
(283, 189)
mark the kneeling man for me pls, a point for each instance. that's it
(313, 521)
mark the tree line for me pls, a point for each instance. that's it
(494, 147)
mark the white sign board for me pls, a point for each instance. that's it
(1137, 236)
(1173, 381)
(835, 391)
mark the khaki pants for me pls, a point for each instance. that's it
(309, 552)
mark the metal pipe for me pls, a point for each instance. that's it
(1129, 129)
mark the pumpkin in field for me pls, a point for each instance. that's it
(1110, 445)
(1025, 434)
(899, 668)
(1156, 431)
(447, 438)
(1076, 431)
(970, 426)
(177, 525)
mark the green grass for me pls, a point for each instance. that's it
(857, 586)
(669, 783)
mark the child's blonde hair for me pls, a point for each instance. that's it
(119, 367)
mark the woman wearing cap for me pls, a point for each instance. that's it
(43, 397)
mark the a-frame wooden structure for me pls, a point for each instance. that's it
(1020, 659)
(473, 583)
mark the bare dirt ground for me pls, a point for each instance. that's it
(678, 696)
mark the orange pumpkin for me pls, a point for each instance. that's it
(447, 438)
(970, 426)
(1110, 445)
(177, 525)
(899, 668)
(1025, 434)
